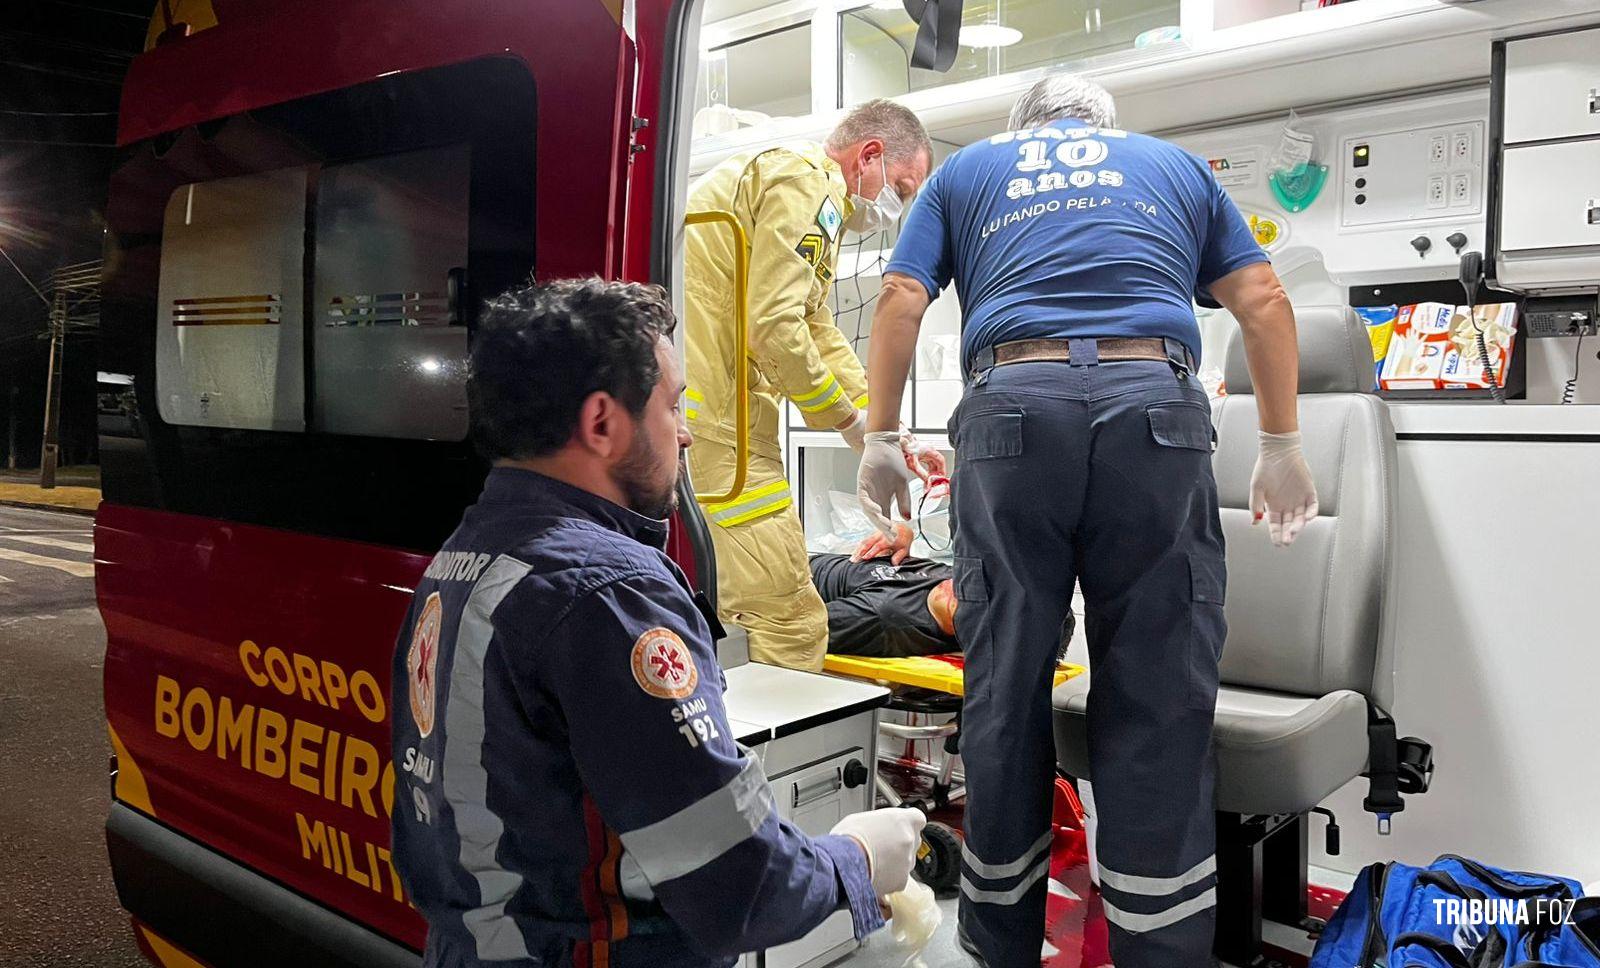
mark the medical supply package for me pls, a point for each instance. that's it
(1434, 346)
(1380, 328)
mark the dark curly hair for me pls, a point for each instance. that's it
(541, 350)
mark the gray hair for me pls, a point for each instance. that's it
(903, 136)
(1064, 96)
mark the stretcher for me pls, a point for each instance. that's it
(927, 691)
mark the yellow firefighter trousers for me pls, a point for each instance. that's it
(763, 573)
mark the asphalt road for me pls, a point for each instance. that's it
(59, 907)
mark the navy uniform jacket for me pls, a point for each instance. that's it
(567, 789)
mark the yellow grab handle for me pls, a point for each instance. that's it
(741, 331)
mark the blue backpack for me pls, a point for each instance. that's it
(1457, 913)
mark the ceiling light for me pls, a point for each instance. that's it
(888, 5)
(989, 35)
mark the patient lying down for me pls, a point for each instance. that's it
(883, 603)
(879, 609)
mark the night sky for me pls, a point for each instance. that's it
(61, 69)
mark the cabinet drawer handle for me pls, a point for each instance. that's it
(1594, 211)
(816, 789)
(1594, 100)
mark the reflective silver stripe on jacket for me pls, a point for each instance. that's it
(704, 830)
(466, 783)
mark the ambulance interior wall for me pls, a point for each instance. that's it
(1493, 639)
(1493, 662)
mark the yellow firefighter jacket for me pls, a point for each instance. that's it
(792, 202)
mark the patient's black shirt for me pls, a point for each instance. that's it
(880, 610)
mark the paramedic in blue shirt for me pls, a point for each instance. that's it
(569, 792)
(1083, 453)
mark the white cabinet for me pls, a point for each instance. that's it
(815, 798)
(1552, 87)
(1551, 196)
(1549, 190)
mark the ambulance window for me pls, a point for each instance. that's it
(389, 319)
(229, 331)
(769, 74)
(996, 38)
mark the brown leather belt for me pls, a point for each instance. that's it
(1111, 350)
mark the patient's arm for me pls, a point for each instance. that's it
(878, 545)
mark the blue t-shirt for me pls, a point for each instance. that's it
(1073, 231)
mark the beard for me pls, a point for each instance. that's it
(640, 476)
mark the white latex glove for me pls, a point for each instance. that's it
(890, 839)
(883, 479)
(854, 430)
(1281, 489)
(924, 460)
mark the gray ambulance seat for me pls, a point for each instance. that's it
(1307, 638)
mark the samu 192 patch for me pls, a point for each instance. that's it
(422, 664)
(663, 666)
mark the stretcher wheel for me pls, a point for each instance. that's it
(939, 858)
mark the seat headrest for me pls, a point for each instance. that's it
(1335, 353)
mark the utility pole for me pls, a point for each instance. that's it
(52, 392)
(11, 436)
(74, 308)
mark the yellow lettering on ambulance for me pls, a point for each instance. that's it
(248, 650)
(360, 774)
(271, 730)
(199, 736)
(167, 707)
(302, 758)
(233, 732)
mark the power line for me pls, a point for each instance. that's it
(93, 9)
(57, 144)
(24, 276)
(59, 114)
(84, 77)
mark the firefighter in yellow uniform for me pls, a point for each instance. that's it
(795, 202)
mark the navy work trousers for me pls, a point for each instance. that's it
(1098, 474)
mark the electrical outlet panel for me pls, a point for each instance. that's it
(1417, 175)
(1437, 151)
(1436, 193)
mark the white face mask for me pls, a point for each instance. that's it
(877, 214)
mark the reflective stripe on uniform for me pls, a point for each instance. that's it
(861, 402)
(1140, 923)
(694, 396)
(978, 895)
(821, 399)
(704, 830)
(764, 500)
(995, 872)
(1157, 886)
(466, 783)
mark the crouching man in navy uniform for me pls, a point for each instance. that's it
(570, 791)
